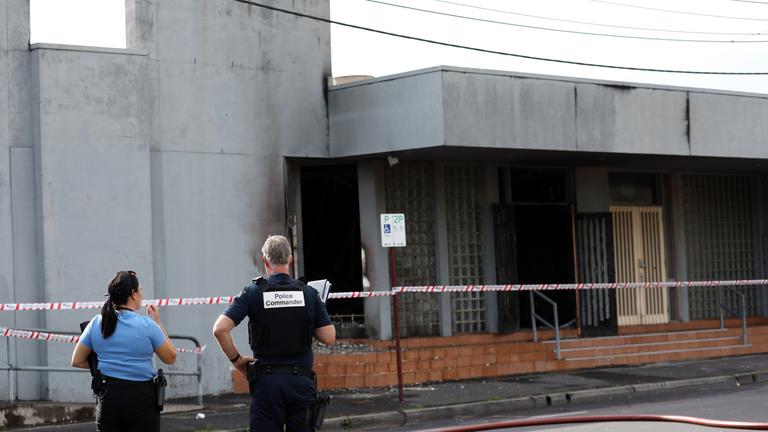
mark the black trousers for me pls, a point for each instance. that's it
(281, 400)
(128, 406)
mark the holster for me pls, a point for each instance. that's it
(160, 383)
(253, 373)
(322, 400)
(98, 384)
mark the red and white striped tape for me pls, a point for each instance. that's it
(52, 337)
(359, 294)
(188, 301)
(56, 337)
(195, 350)
(579, 286)
(97, 304)
(543, 287)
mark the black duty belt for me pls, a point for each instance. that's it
(288, 370)
(257, 370)
(119, 381)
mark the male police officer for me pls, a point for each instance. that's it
(283, 315)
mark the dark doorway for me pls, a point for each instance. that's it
(534, 243)
(331, 232)
(595, 257)
(505, 244)
(545, 255)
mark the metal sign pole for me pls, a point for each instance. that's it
(392, 236)
(396, 312)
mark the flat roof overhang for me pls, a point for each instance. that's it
(561, 159)
(457, 114)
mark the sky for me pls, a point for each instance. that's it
(506, 26)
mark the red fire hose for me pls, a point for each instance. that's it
(605, 418)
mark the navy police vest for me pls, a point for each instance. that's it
(280, 325)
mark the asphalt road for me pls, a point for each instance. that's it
(748, 403)
(723, 402)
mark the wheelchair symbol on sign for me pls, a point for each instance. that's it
(387, 229)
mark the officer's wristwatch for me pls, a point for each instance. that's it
(237, 357)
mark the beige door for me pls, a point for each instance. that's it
(638, 236)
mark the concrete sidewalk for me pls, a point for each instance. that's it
(358, 409)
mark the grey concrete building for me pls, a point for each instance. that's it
(167, 158)
(518, 178)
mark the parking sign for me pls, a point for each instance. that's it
(392, 229)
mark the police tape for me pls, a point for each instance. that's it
(545, 287)
(196, 350)
(359, 294)
(57, 337)
(28, 334)
(98, 304)
(191, 301)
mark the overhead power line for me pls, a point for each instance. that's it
(547, 18)
(487, 51)
(679, 11)
(751, 1)
(584, 33)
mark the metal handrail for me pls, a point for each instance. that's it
(535, 317)
(198, 373)
(11, 368)
(722, 308)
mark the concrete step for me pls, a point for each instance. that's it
(478, 356)
(659, 355)
(644, 338)
(521, 336)
(639, 348)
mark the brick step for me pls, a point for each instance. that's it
(643, 338)
(448, 368)
(426, 359)
(384, 379)
(509, 362)
(639, 348)
(464, 340)
(758, 330)
(753, 322)
(758, 338)
(445, 359)
(536, 351)
(657, 356)
(450, 373)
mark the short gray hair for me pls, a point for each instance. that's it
(277, 250)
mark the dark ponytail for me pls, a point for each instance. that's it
(119, 290)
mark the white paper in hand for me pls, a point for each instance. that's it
(322, 286)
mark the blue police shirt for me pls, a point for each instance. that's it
(318, 316)
(127, 353)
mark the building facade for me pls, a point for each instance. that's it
(514, 178)
(176, 156)
(166, 158)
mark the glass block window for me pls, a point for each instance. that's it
(719, 240)
(410, 190)
(463, 205)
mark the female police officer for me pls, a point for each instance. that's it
(124, 342)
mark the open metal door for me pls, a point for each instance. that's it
(506, 266)
(594, 248)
